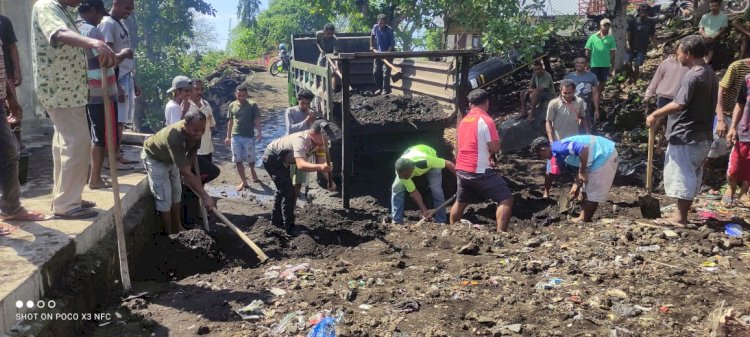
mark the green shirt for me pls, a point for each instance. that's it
(243, 118)
(59, 69)
(712, 24)
(600, 50)
(543, 81)
(171, 145)
(424, 159)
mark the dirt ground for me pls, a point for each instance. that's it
(618, 276)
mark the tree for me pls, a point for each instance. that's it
(204, 33)
(273, 26)
(165, 30)
(246, 12)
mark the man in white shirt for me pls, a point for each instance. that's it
(117, 36)
(179, 104)
(209, 171)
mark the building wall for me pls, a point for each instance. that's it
(19, 13)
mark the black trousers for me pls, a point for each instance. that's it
(283, 202)
(382, 75)
(191, 202)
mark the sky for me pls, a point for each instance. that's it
(226, 15)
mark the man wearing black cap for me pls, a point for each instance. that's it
(90, 14)
(295, 149)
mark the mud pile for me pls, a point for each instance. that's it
(177, 256)
(221, 84)
(395, 110)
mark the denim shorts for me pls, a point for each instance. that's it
(243, 149)
(636, 57)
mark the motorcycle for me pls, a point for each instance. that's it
(676, 13)
(281, 65)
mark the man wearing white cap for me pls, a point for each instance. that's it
(179, 104)
(600, 49)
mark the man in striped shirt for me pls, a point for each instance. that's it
(729, 87)
(477, 178)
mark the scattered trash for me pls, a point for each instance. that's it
(710, 266)
(278, 291)
(733, 230)
(251, 311)
(625, 310)
(514, 328)
(651, 248)
(353, 284)
(707, 215)
(552, 283)
(664, 309)
(576, 299)
(290, 273)
(477, 227)
(670, 234)
(325, 328)
(465, 222)
(470, 249)
(138, 295)
(407, 305)
(365, 306)
(469, 283)
(616, 293)
(285, 322)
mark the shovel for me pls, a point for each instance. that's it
(398, 75)
(432, 212)
(564, 203)
(649, 205)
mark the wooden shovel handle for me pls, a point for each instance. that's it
(650, 161)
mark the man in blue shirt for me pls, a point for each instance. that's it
(596, 176)
(382, 40)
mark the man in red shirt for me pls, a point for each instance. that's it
(477, 178)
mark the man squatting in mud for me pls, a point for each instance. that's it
(168, 154)
(296, 148)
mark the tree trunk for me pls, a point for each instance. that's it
(700, 7)
(619, 28)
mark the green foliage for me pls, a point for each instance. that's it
(246, 12)
(165, 30)
(273, 26)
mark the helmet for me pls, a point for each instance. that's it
(282, 46)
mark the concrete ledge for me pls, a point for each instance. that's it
(37, 254)
(134, 138)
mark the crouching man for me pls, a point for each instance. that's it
(167, 155)
(419, 160)
(296, 149)
(596, 159)
(477, 179)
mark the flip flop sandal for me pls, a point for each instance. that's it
(87, 204)
(728, 202)
(28, 216)
(77, 214)
(101, 186)
(7, 229)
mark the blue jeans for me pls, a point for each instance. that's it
(398, 191)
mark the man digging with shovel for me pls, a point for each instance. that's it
(419, 160)
(168, 154)
(596, 158)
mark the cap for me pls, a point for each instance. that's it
(644, 6)
(180, 82)
(403, 164)
(87, 5)
(605, 21)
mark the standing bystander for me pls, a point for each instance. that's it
(712, 27)
(690, 114)
(244, 115)
(600, 49)
(61, 84)
(382, 40)
(587, 88)
(13, 75)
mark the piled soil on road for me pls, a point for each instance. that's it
(221, 84)
(394, 109)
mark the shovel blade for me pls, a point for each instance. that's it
(397, 76)
(564, 203)
(650, 208)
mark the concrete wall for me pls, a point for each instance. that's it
(19, 12)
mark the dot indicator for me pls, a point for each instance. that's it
(19, 304)
(30, 304)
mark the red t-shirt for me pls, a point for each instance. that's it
(475, 131)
